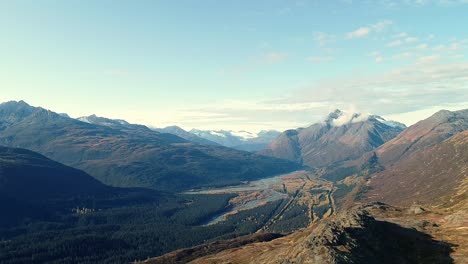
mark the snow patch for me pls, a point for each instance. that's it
(218, 134)
(84, 119)
(244, 134)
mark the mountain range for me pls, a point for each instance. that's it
(241, 140)
(178, 131)
(368, 191)
(125, 155)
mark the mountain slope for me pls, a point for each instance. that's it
(175, 130)
(112, 123)
(33, 187)
(341, 137)
(423, 134)
(25, 175)
(437, 175)
(130, 157)
(352, 237)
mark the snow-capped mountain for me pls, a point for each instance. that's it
(341, 136)
(178, 131)
(243, 140)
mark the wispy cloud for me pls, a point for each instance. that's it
(358, 33)
(401, 39)
(395, 43)
(403, 55)
(411, 39)
(428, 59)
(378, 57)
(418, 86)
(366, 30)
(322, 38)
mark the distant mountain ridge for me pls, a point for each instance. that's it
(342, 136)
(127, 155)
(242, 140)
(178, 131)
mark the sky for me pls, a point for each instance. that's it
(240, 65)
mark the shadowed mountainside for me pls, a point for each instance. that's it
(28, 176)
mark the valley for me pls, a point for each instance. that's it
(301, 191)
(142, 195)
(234, 132)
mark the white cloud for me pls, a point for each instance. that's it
(404, 55)
(395, 43)
(411, 39)
(322, 38)
(366, 30)
(379, 59)
(349, 117)
(428, 59)
(381, 25)
(422, 46)
(401, 35)
(358, 33)
(412, 117)
(377, 56)
(401, 90)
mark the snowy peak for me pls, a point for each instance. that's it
(93, 119)
(112, 123)
(245, 135)
(340, 118)
(241, 139)
(390, 123)
(180, 132)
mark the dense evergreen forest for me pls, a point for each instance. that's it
(125, 228)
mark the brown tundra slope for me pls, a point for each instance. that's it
(423, 134)
(434, 176)
(356, 236)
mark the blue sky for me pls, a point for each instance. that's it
(235, 64)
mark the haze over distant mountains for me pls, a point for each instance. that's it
(121, 154)
(242, 140)
(186, 135)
